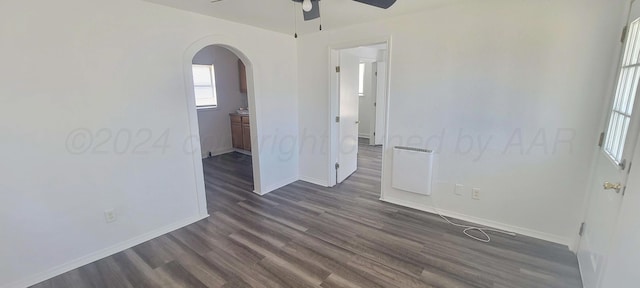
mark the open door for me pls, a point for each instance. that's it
(381, 102)
(348, 113)
(610, 176)
(623, 259)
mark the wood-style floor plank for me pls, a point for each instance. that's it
(303, 235)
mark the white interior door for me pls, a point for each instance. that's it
(348, 113)
(611, 171)
(623, 259)
(381, 102)
(372, 97)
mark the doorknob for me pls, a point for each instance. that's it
(357, 122)
(612, 186)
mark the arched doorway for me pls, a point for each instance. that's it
(229, 109)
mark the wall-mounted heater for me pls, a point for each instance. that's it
(412, 169)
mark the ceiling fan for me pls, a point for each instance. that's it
(311, 8)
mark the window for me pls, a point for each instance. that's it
(361, 81)
(204, 86)
(625, 96)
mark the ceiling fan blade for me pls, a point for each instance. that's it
(384, 4)
(314, 13)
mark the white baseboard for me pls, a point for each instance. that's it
(483, 222)
(245, 152)
(222, 152)
(100, 254)
(218, 153)
(278, 185)
(314, 181)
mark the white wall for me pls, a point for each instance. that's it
(479, 75)
(214, 124)
(115, 65)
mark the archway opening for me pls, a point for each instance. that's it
(221, 86)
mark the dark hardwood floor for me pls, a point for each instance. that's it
(303, 235)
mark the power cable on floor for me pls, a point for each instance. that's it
(468, 228)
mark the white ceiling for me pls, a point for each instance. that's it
(278, 15)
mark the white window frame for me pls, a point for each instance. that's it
(620, 119)
(212, 75)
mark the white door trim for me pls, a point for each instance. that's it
(334, 100)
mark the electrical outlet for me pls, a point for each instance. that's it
(110, 216)
(475, 193)
(458, 190)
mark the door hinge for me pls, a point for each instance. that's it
(337, 119)
(337, 165)
(630, 165)
(624, 34)
(337, 69)
(376, 74)
(581, 232)
(623, 164)
(375, 104)
(624, 190)
(374, 134)
(601, 141)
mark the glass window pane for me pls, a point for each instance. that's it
(609, 141)
(204, 85)
(201, 75)
(624, 96)
(621, 89)
(632, 102)
(202, 92)
(628, 105)
(634, 43)
(617, 133)
(628, 50)
(204, 96)
(613, 132)
(206, 102)
(625, 129)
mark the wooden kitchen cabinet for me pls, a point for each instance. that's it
(242, 70)
(246, 137)
(240, 132)
(236, 136)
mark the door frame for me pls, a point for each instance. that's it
(193, 141)
(334, 96)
